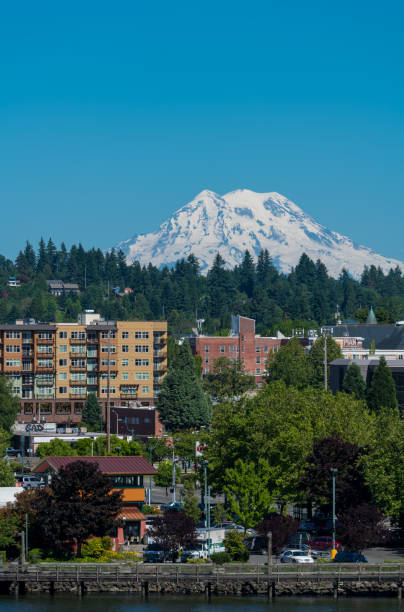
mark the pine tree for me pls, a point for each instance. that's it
(181, 401)
(247, 275)
(382, 390)
(353, 382)
(92, 413)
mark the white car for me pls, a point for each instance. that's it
(295, 556)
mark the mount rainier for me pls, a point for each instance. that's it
(241, 220)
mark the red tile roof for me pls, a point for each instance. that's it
(132, 514)
(107, 465)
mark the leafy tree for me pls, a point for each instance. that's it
(174, 530)
(9, 405)
(235, 546)
(280, 425)
(181, 401)
(353, 382)
(361, 527)
(4, 441)
(382, 390)
(8, 530)
(316, 357)
(56, 448)
(159, 449)
(6, 474)
(351, 489)
(227, 379)
(282, 528)
(92, 413)
(247, 491)
(190, 502)
(78, 504)
(219, 514)
(291, 365)
(164, 476)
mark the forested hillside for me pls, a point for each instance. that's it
(306, 296)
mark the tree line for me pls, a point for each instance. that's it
(306, 297)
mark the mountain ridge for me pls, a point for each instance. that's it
(242, 220)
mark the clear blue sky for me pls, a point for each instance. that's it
(114, 114)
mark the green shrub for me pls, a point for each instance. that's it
(36, 555)
(196, 561)
(220, 558)
(3, 556)
(148, 509)
(234, 545)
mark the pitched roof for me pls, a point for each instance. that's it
(107, 465)
(371, 320)
(131, 514)
(388, 337)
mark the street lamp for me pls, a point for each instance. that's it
(333, 473)
(151, 449)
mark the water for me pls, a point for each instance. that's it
(187, 603)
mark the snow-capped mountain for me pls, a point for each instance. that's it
(241, 220)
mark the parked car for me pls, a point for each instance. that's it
(173, 506)
(197, 552)
(155, 554)
(231, 526)
(323, 543)
(347, 556)
(295, 556)
(29, 482)
(13, 452)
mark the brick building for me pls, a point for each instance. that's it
(53, 366)
(242, 343)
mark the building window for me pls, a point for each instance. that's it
(237, 349)
(125, 375)
(206, 359)
(206, 370)
(242, 349)
(142, 334)
(45, 363)
(77, 390)
(242, 338)
(45, 335)
(63, 334)
(231, 349)
(257, 349)
(44, 348)
(265, 349)
(142, 376)
(13, 363)
(79, 349)
(104, 348)
(274, 349)
(141, 348)
(63, 348)
(108, 334)
(12, 334)
(142, 362)
(63, 362)
(258, 360)
(63, 376)
(145, 389)
(125, 362)
(125, 334)
(112, 362)
(125, 348)
(206, 348)
(105, 390)
(222, 349)
(78, 377)
(62, 390)
(13, 348)
(257, 370)
(78, 363)
(78, 335)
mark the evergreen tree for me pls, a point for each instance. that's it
(181, 401)
(382, 390)
(353, 382)
(92, 413)
(247, 275)
(227, 379)
(191, 503)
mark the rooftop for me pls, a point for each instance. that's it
(108, 465)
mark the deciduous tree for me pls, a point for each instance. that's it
(361, 527)
(9, 405)
(291, 365)
(282, 528)
(227, 379)
(174, 530)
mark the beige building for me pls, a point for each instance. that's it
(52, 367)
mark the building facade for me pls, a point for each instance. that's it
(242, 344)
(363, 341)
(52, 367)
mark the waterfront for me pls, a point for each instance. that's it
(131, 603)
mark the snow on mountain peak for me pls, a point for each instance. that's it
(241, 220)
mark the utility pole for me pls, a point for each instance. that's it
(108, 415)
(208, 520)
(173, 481)
(269, 551)
(325, 363)
(205, 497)
(22, 554)
(333, 473)
(26, 533)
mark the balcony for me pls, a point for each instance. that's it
(43, 340)
(43, 355)
(160, 354)
(92, 340)
(77, 368)
(78, 382)
(159, 367)
(45, 396)
(78, 395)
(45, 383)
(78, 340)
(26, 354)
(129, 395)
(77, 355)
(43, 369)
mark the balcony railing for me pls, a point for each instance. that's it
(77, 395)
(78, 382)
(160, 354)
(78, 340)
(77, 368)
(158, 367)
(43, 340)
(43, 369)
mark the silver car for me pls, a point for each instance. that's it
(295, 556)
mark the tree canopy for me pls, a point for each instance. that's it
(227, 379)
(382, 390)
(354, 383)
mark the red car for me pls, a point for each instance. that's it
(323, 543)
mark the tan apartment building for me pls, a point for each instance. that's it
(52, 367)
